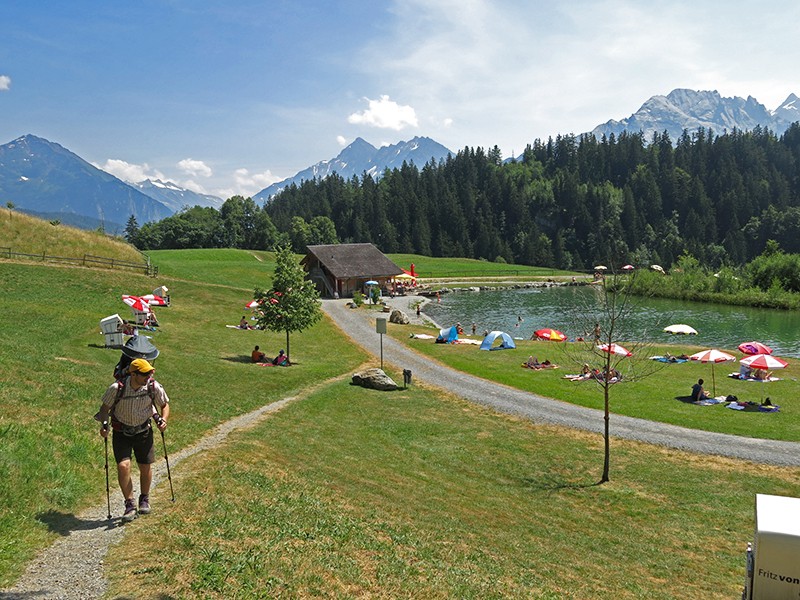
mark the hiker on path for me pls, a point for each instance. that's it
(130, 404)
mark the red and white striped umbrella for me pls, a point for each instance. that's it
(251, 304)
(136, 303)
(712, 356)
(154, 300)
(764, 361)
(614, 349)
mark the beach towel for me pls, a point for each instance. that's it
(736, 376)
(664, 359)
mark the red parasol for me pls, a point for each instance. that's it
(712, 356)
(136, 303)
(764, 361)
(553, 335)
(251, 304)
(154, 300)
(614, 349)
(754, 348)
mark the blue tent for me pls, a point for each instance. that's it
(506, 344)
(447, 336)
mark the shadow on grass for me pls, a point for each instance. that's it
(245, 358)
(65, 523)
(686, 399)
(103, 347)
(549, 483)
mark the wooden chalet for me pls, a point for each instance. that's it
(341, 269)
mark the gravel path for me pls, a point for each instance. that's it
(547, 410)
(72, 568)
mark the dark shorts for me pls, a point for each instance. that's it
(140, 444)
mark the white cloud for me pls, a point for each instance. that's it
(130, 172)
(247, 184)
(5, 83)
(385, 114)
(480, 75)
(193, 186)
(341, 140)
(195, 167)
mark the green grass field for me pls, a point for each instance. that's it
(652, 397)
(348, 492)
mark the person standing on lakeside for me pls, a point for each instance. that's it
(130, 404)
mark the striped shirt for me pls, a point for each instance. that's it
(135, 406)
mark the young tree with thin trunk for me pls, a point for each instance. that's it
(292, 303)
(608, 339)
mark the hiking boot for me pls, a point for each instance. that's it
(130, 511)
(144, 504)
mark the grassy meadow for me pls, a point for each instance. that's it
(30, 235)
(429, 267)
(348, 492)
(653, 395)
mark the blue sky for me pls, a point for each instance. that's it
(228, 97)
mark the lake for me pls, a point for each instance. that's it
(563, 307)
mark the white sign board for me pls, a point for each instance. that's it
(776, 548)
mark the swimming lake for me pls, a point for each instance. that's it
(566, 308)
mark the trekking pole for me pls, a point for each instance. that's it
(159, 419)
(108, 489)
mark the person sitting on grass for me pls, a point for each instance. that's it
(698, 393)
(533, 363)
(281, 360)
(258, 356)
(761, 375)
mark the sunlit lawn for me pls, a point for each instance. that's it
(653, 397)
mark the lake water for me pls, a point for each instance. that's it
(565, 307)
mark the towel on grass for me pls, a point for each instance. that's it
(664, 359)
(736, 376)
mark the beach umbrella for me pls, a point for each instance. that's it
(371, 282)
(600, 268)
(681, 329)
(251, 304)
(658, 268)
(553, 335)
(136, 303)
(628, 268)
(614, 349)
(754, 348)
(405, 276)
(712, 356)
(154, 300)
(764, 361)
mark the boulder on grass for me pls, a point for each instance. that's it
(374, 379)
(399, 317)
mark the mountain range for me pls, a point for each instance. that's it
(689, 109)
(361, 157)
(43, 178)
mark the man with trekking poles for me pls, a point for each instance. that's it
(127, 407)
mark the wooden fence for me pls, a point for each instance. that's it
(88, 260)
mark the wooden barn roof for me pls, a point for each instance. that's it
(348, 261)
